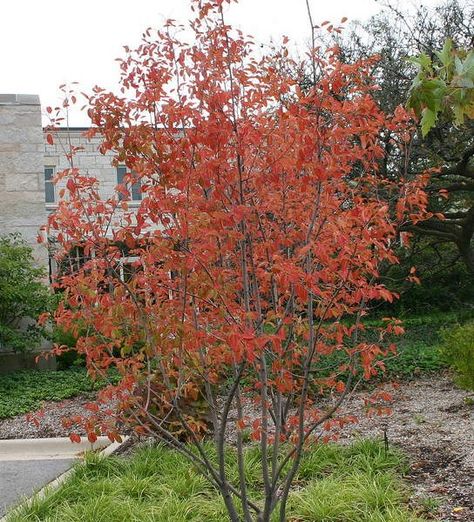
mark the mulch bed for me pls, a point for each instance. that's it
(432, 422)
(20, 427)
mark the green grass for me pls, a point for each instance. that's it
(24, 391)
(357, 483)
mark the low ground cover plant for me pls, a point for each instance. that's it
(361, 482)
(420, 349)
(423, 348)
(25, 391)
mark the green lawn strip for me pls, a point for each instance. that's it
(25, 390)
(357, 483)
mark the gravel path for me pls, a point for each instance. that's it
(432, 421)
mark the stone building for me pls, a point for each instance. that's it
(28, 164)
(22, 152)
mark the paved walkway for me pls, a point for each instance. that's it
(21, 478)
(27, 465)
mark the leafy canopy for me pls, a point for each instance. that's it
(263, 223)
(444, 83)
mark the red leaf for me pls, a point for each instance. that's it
(75, 438)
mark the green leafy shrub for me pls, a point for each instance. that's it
(70, 358)
(458, 347)
(23, 295)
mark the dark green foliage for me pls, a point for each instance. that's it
(419, 348)
(23, 295)
(70, 358)
(25, 390)
(458, 348)
(446, 284)
(355, 483)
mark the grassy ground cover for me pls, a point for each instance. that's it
(357, 483)
(419, 350)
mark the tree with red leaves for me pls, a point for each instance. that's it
(253, 255)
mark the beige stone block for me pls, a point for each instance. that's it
(31, 147)
(10, 147)
(12, 134)
(6, 117)
(22, 182)
(23, 162)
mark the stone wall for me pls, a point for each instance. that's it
(22, 207)
(89, 160)
(10, 362)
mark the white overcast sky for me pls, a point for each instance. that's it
(44, 43)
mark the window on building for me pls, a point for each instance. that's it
(134, 188)
(127, 267)
(72, 262)
(49, 189)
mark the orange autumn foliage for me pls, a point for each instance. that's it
(263, 222)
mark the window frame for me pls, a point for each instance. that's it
(49, 185)
(134, 187)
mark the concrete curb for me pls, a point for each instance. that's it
(47, 449)
(42, 447)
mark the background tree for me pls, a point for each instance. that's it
(252, 241)
(23, 295)
(440, 246)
